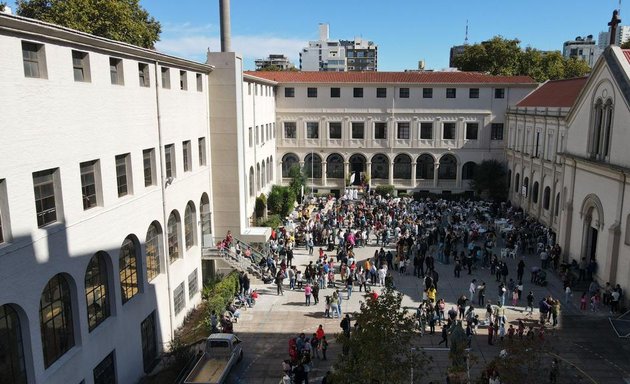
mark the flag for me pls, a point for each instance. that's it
(352, 178)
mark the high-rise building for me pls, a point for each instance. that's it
(623, 35)
(584, 48)
(338, 55)
(275, 60)
(456, 50)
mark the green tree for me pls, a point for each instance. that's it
(626, 45)
(121, 20)
(490, 177)
(298, 180)
(2, 5)
(385, 190)
(281, 200)
(500, 56)
(381, 349)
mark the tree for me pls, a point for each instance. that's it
(298, 179)
(281, 200)
(381, 349)
(626, 45)
(2, 6)
(490, 177)
(500, 56)
(121, 20)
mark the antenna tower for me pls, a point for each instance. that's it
(466, 39)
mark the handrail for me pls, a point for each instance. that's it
(256, 255)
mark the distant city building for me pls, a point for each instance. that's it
(623, 35)
(584, 48)
(456, 50)
(338, 55)
(280, 61)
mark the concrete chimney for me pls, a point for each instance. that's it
(323, 32)
(226, 34)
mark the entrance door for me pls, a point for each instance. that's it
(591, 250)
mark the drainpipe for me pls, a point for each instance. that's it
(163, 191)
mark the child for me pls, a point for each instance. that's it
(514, 297)
(583, 300)
(511, 331)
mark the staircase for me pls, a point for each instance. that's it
(242, 263)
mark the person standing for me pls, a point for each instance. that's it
(279, 279)
(307, 293)
(444, 336)
(345, 325)
(520, 269)
(530, 302)
(472, 289)
(481, 294)
(349, 282)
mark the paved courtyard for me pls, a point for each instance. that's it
(585, 339)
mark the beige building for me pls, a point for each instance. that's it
(423, 131)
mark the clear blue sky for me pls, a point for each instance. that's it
(405, 30)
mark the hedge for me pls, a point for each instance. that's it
(221, 295)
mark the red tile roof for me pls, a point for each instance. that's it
(391, 77)
(626, 53)
(555, 93)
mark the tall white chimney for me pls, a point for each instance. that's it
(226, 34)
(323, 32)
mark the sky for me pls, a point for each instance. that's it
(404, 30)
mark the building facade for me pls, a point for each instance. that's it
(361, 55)
(417, 131)
(582, 48)
(594, 198)
(536, 138)
(280, 61)
(105, 202)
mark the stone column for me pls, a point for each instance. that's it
(368, 172)
(324, 179)
(414, 182)
(435, 173)
(346, 172)
(458, 177)
(391, 172)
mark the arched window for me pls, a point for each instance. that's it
(288, 161)
(190, 229)
(526, 186)
(258, 176)
(55, 318)
(402, 167)
(535, 192)
(153, 248)
(263, 174)
(380, 167)
(557, 207)
(334, 166)
(252, 189)
(509, 179)
(313, 168)
(12, 367)
(517, 182)
(96, 290)
(448, 168)
(174, 240)
(270, 169)
(425, 167)
(128, 267)
(546, 198)
(206, 221)
(599, 141)
(468, 170)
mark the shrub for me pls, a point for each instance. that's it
(221, 295)
(261, 205)
(384, 190)
(272, 221)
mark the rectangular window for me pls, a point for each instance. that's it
(183, 80)
(381, 93)
(3, 211)
(34, 58)
(496, 132)
(335, 92)
(169, 160)
(105, 371)
(257, 133)
(449, 131)
(312, 130)
(201, 144)
(472, 131)
(426, 131)
(403, 93)
(187, 156)
(149, 342)
(123, 174)
(311, 92)
(179, 299)
(143, 75)
(358, 130)
(289, 92)
(193, 285)
(251, 137)
(427, 93)
(499, 93)
(116, 71)
(380, 131)
(403, 131)
(166, 78)
(451, 93)
(290, 131)
(148, 163)
(45, 199)
(199, 78)
(89, 187)
(81, 66)
(334, 130)
(357, 92)
(473, 93)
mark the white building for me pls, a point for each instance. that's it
(422, 131)
(583, 48)
(623, 35)
(595, 200)
(536, 137)
(105, 201)
(338, 55)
